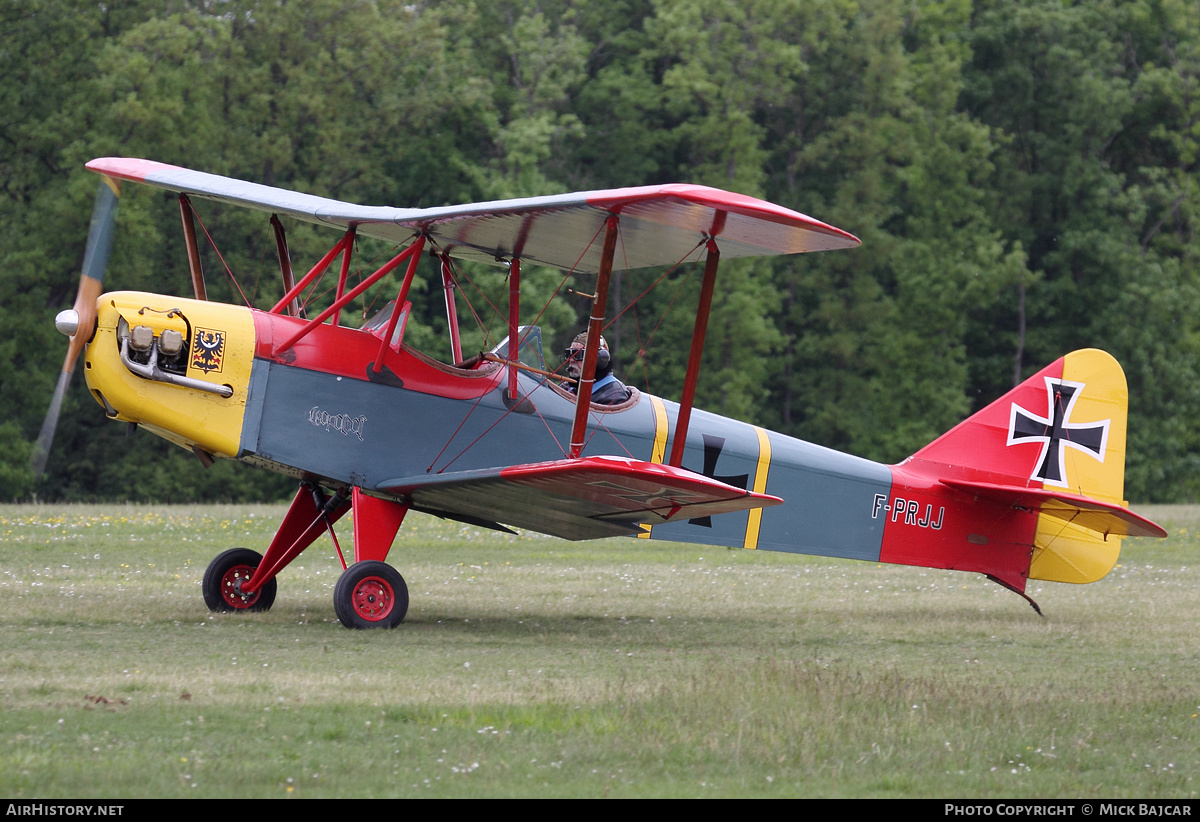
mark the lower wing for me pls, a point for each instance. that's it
(576, 499)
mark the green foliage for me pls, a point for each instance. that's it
(1022, 174)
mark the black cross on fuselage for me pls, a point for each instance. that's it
(1056, 433)
(712, 452)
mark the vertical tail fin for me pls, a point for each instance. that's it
(1055, 444)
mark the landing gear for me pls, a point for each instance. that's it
(224, 578)
(370, 594)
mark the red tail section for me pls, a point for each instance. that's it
(1029, 487)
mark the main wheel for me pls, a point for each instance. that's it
(224, 578)
(370, 594)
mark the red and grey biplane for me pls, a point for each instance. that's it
(1028, 488)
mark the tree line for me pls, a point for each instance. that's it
(1022, 174)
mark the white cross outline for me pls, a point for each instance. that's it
(1067, 427)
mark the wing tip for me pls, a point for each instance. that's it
(718, 199)
(128, 168)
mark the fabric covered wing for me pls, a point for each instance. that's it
(577, 499)
(1093, 514)
(659, 225)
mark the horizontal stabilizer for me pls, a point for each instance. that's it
(1102, 517)
(578, 499)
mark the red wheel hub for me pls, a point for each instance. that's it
(231, 587)
(373, 599)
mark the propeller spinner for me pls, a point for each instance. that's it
(80, 321)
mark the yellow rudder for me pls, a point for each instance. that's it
(1065, 552)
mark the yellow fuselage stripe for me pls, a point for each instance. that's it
(760, 487)
(659, 452)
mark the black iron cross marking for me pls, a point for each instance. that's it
(712, 452)
(1055, 433)
(660, 497)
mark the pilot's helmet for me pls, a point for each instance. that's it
(581, 341)
(574, 355)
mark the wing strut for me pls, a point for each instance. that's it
(317, 270)
(413, 259)
(285, 264)
(514, 315)
(583, 399)
(451, 309)
(343, 274)
(193, 250)
(343, 299)
(693, 370)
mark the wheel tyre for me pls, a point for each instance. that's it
(370, 594)
(222, 575)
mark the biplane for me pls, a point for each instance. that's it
(1030, 487)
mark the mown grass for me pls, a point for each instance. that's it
(534, 667)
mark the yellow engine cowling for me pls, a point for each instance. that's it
(185, 371)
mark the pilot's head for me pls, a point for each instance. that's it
(573, 357)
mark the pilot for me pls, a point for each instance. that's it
(607, 389)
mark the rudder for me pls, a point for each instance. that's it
(1063, 551)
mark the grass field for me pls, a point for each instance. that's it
(530, 666)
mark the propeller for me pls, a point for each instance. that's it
(79, 322)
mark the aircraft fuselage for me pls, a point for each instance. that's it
(322, 410)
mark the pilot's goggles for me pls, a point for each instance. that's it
(573, 354)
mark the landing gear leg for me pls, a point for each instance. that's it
(242, 580)
(371, 593)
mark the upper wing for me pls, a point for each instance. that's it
(577, 499)
(659, 225)
(1093, 514)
